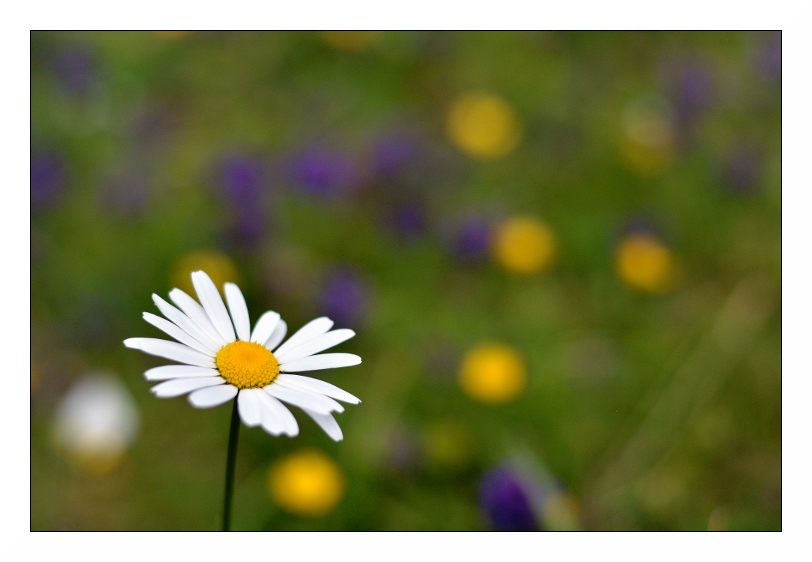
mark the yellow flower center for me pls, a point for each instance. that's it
(247, 364)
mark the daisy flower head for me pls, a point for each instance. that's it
(221, 358)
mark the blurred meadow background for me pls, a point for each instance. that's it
(560, 253)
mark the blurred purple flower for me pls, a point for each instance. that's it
(505, 500)
(323, 172)
(345, 297)
(48, 177)
(75, 68)
(248, 226)
(769, 57)
(392, 153)
(742, 169)
(406, 221)
(690, 88)
(242, 178)
(472, 238)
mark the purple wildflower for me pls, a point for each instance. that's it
(504, 499)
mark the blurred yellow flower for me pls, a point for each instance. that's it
(354, 41)
(483, 125)
(493, 373)
(307, 483)
(219, 267)
(648, 141)
(524, 245)
(645, 264)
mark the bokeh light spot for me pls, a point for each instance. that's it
(493, 373)
(95, 423)
(483, 126)
(524, 245)
(306, 483)
(645, 264)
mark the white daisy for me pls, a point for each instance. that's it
(223, 358)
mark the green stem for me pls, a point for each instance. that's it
(233, 438)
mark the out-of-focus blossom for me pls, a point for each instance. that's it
(74, 68)
(483, 125)
(219, 267)
(345, 297)
(407, 221)
(352, 41)
(493, 373)
(524, 245)
(644, 263)
(769, 57)
(306, 483)
(96, 422)
(742, 170)
(472, 238)
(523, 495)
(242, 179)
(48, 175)
(323, 172)
(248, 227)
(393, 153)
(648, 138)
(505, 500)
(689, 85)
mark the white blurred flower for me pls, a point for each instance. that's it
(95, 422)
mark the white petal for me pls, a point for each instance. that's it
(213, 305)
(323, 361)
(171, 350)
(277, 336)
(212, 396)
(312, 329)
(239, 312)
(327, 423)
(250, 406)
(304, 399)
(172, 330)
(176, 387)
(276, 418)
(326, 341)
(178, 372)
(315, 385)
(265, 326)
(185, 323)
(196, 314)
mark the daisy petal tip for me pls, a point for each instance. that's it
(132, 343)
